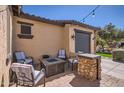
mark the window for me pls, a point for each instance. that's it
(25, 29)
(25, 32)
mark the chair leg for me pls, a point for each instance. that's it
(72, 66)
(16, 85)
(68, 65)
(16, 82)
(44, 81)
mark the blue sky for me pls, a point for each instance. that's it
(103, 15)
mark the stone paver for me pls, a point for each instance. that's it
(112, 68)
(73, 80)
(107, 65)
(112, 76)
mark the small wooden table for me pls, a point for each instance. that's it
(53, 66)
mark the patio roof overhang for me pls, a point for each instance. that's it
(49, 21)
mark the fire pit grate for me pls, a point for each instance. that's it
(52, 60)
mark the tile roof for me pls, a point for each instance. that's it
(55, 22)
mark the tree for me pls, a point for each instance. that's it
(100, 42)
(110, 36)
(108, 32)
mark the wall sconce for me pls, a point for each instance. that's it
(93, 38)
(73, 37)
(8, 59)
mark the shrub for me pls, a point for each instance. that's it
(118, 55)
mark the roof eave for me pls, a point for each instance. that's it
(49, 21)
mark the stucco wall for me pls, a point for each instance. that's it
(47, 39)
(72, 42)
(66, 38)
(5, 43)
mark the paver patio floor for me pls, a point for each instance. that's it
(112, 76)
(73, 80)
(112, 68)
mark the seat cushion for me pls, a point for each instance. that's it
(38, 75)
(20, 61)
(18, 55)
(31, 70)
(23, 55)
(73, 60)
(61, 53)
(70, 60)
(61, 56)
(28, 60)
(23, 73)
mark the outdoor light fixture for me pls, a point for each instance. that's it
(93, 14)
(73, 36)
(8, 59)
(94, 38)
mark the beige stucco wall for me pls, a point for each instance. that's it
(71, 45)
(5, 44)
(48, 39)
(66, 38)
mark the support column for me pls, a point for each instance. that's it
(5, 43)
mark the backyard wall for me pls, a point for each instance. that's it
(48, 39)
(5, 43)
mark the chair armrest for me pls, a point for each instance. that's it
(29, 60)
(43, 70)
(30, 57)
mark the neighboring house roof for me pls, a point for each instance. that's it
(55, 22)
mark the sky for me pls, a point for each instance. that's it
(103, 15)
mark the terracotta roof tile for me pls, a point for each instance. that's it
(56, 22)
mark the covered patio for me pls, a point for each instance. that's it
(37, 36)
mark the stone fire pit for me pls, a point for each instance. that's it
(89, 66)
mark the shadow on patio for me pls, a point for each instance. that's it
(69, 79)
(79, 81)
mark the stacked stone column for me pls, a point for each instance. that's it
(90, 68)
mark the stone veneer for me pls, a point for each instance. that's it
(89, 66)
